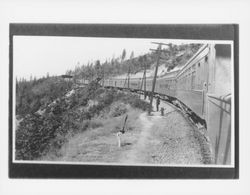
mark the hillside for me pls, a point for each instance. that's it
(44, 132)
(35, 94)
(174, 58)
(177, 57)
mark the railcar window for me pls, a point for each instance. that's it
(193, 80)
(206, 58)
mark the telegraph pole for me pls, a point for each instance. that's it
(143, 81)
(128, 75)
(127, 78)
(103, 76)
(159, 50)
(154, 80)
(145, 76)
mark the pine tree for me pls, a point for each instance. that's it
(132, 55)
(123, 54)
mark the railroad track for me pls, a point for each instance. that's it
(187, 112)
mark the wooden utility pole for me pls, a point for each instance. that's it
(159, 50)
(154, 80)
(125, 82)
(127, 78)
(103, 76)
(143, 82)
(128, 75)
(145, 76)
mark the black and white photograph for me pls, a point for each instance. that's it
(120, 101)
(124, 97)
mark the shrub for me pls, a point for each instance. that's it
(34, 134)
(90, 124)
(138, 103)
(95, 124)
(86, 115)
(118, 109)
(134, 101)
(108, 98)
(85, 125)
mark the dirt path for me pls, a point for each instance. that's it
(164, 140)
(135, 154)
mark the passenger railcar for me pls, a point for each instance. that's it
(204, 86)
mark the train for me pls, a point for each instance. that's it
(201, 88)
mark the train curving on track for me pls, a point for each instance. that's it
(201, 89)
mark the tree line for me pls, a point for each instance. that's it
(173, 56)
(35, 94)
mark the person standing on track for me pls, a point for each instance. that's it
(145, 95)
(157, 103)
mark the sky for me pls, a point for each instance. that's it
(39, 55)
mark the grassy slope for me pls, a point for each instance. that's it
(148, 140)
(100, 144)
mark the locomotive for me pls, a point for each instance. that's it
(203, 87)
